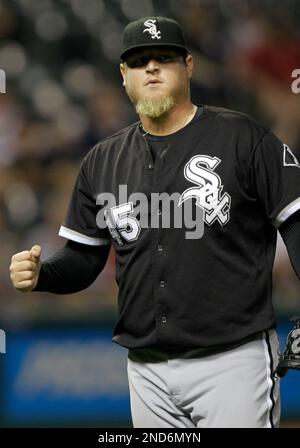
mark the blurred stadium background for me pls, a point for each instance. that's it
(63, 94)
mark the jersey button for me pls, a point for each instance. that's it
(164, 319)
(162, 284)
(150, 166)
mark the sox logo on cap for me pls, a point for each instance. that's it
(152, 29)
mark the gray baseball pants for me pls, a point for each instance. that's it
(233, 389)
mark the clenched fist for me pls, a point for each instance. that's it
(25, 269)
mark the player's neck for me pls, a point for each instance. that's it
(169, 123)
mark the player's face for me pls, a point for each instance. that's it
(157, 75)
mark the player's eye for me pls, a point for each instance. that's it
(165, 58)
(141, 61)
(137, 61)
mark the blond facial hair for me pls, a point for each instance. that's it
(154, 107)
(151, 107)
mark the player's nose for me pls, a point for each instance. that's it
(152, 66)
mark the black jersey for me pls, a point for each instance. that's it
(178, 290)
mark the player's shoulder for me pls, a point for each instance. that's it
(119, 135)
(235, 118)
(110, 142)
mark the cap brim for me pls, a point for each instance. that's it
(130, 50)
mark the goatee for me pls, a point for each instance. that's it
(154, 107)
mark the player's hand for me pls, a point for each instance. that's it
(25, 269)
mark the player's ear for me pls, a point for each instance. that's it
(122, 70)
(189, 64)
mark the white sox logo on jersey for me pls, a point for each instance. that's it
(152, 29)
(208, 193)
(289, 159)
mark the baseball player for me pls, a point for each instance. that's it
(195, 307)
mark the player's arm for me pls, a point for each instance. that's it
(276, 176)
(80, 261)
(73, 268)
(290, 232)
